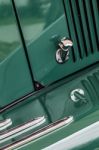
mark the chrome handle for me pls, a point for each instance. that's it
(62, 54)
(56, 125)
(5, 124)
(21, 129)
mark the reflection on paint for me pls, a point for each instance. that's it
(9, 37)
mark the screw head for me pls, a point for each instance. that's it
(74, 97)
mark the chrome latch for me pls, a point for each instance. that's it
(62, 54)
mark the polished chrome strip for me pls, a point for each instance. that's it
(77, 139)
(5, 123)
(21, 129)
(25, 141)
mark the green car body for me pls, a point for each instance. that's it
(34, 84)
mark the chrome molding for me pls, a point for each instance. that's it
(5, 124)
(25, 141)
(21, 129)
(79, 138)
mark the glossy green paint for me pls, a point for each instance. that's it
(53, 102)
(51, 138)
(42, 48)
(36, 16)
(56, 104)
(15, 80)
(40, 27)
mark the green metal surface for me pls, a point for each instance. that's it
(43, 23)
(51, 138)
(39, 30)
(73, 24)
(56, 104)
(15, 80)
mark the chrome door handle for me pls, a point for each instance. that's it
(12, 133)
(48, 129)
(5, 124)
(62, 54)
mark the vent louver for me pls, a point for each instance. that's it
(82, 17)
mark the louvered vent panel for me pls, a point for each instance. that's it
(83, 25)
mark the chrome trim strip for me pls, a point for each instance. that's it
(77, 139)
(12, 133)
(5, 124)
(27, 140)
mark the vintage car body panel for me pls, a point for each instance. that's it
(70, 130)
(15, 79)
(43, 40)
(34, 85)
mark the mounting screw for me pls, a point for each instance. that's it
(78, 96)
